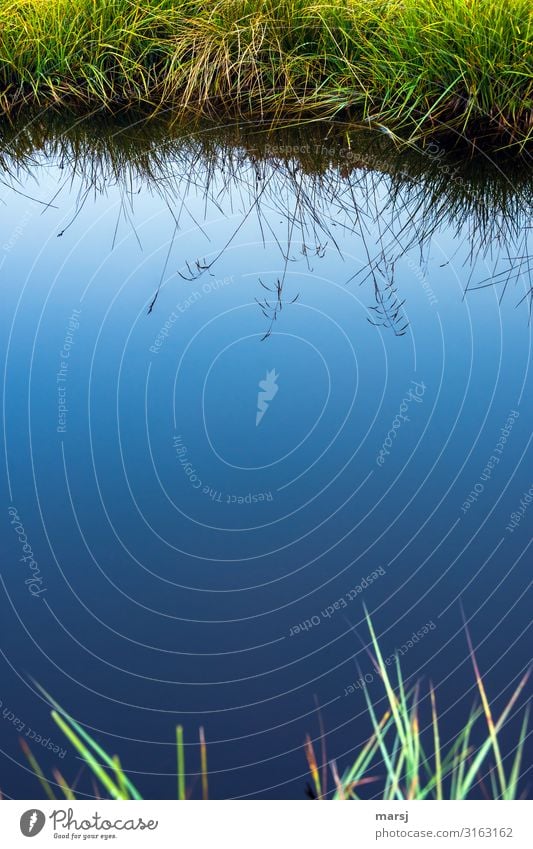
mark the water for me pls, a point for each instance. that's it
(251, 385)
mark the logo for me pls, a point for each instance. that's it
(268, 389)
(32, 822)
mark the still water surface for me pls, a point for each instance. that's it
(251, 385)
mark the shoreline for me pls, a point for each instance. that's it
(412, 70)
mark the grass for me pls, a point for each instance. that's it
(109, 779)
(401, 760)
(415, 67)
(406, 761)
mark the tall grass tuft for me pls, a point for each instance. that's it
(402, 759)
(413, 760)
(110, 778)
(417, 67)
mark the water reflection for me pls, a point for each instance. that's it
(253, 381)
(317, 182)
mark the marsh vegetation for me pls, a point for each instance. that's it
(459, 69)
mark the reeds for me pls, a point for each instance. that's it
(416, 67)
(110, 780)
(409, 761)
(403, 759)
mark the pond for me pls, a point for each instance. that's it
(255, 383)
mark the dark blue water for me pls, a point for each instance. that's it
(193, 558)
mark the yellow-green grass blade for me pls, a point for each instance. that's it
(180, 749)
(353, 776)
(396, 758)
(393, 701)
(203, 762)
(37, 770)
(488, 714)
(102, 754)
(488, 744)
(313, 766)
(414, 765)
(404, 707)
(436, 744)
(394, 780)
(67, 791)
(120, 777)
(88, 757)
(512, 786)
(382, 742)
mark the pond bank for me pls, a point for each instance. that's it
(415, 69)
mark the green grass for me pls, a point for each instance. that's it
(110, 780)
(401, 760)
(415, 67)
(404, 760)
